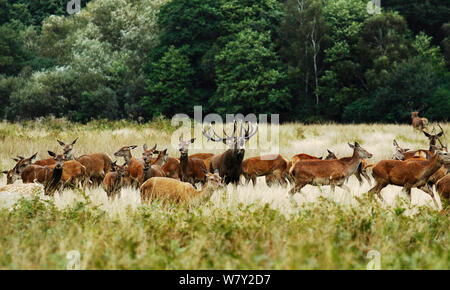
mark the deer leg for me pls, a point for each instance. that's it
(297, 188)
(377, 189)
(366, 176)
(254, 180)
(407, 190)
(358, 176)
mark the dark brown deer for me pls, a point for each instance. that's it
(327, 172)
(114, 180)
(418, 122)
(191, 168)
(96, 164)
(275, 165)
(229, 163)
(135, 167)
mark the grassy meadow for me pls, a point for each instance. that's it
(244, 228)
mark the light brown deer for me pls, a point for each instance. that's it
(418, 122)
(96, 164)
(229, 163)
(275, 165)
(179, 192)
(327, 172)
(408, 174)
(114, 180)
(192, 169)
(154, 169)
(135, 167)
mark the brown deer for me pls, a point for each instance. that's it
(408, 174)
(113, 181)
(400, 154)
(192, 169)
(135, 167)
(172, 168)
(275, 165)
(21, 163)
(179, 192)
(49, 177)
(418, 122)
(154, 168)
(327, 172)
(96, 164)
(360, 171)
(229, 163)
(443, 187)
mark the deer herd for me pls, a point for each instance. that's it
(158, 176)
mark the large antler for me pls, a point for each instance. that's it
(251, 130)
(209, 136)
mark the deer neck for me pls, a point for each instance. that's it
(433, 164)
(353, 163)
(128, 158)
(204, 194)
(159, 160)
(184, 163)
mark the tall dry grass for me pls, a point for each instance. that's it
(248, 227)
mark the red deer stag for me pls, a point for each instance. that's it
(327, 172)
(229, 163)
(191, 168)
(275, 165)
(135, 167)
(408, 174)
(96, 164)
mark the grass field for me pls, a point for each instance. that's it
(243, 228)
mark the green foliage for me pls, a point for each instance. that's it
(169, 85)
(12, 55)
(248, 76)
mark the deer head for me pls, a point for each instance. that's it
(14, 174)
(330, 155)
(361, 152)
(59, 159)
(184, 145)
(148, 153)
(437, 137)
(67, 148)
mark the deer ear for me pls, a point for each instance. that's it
(154, 147)
(133, 146)
(351, 146)
(426, 134)
(357, 144)
(33, 156)
(51, 153)
(16, 159)
(440, 134)
(74, 141)
(395, 143)
(164, 151)
(145, 147)
(5, 172)
(61, 143)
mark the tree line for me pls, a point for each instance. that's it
(307, 60)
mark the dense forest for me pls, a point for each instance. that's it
(308, 60)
